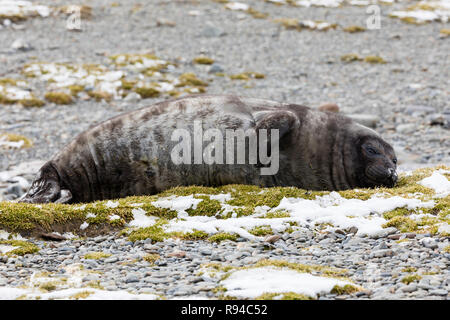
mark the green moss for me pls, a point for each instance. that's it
(24, 247)
(156, 232)
(351, 57)
(128, 85)
(81, 295)
(75, 89)
(49, 286)
(354, 29)
(257, 14)
(190, 79)
(8, 81)
(247, 76)
(97, 255)
(207, 207)
(6, 100)
(32, 103)
(194, 235)
(374, 59)
(447, 249)
(346, 289)
(221, 236)
(303, 268)
(411, 278)
(284, 296)
(159, 212)
(404, 224)
(261, 231)
(409, 269)
(148, 92)
(276, 214)
(445, 32)
(151, 257)
(203, 60)
(11, 137)
(59, 97)
(95, 284)
(289, 23)
(100, 95)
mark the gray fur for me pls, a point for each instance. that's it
(130, 154)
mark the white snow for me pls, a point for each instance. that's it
(84, 225)
(251, 283)
(25, 8)
(4, 248)
(438, 182)
(140, 219)
(112, 204)
(4, 142)
(180, 204)
(237, 6)
(366, 215)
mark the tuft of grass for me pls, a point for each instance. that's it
(374, 59)
(147, 92)
(207, 207)
(81, 295)
(190, 79)
(221, 236)
(289, 23)
(261, 231)
(354, 29)
(346, 289)
(151, 257)
(59, 97)
(411, 278)
(100, 95)
(284, 296)
(351, 57)
(24, 247)
(32, 103)
(97, 255)
(11, 137)
(409, 269)
(247, 76)
(203, 60)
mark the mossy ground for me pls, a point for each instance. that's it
(11, 137)
(23, 247)
(96, 255)
(33, 220)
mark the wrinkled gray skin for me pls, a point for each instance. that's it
(130, 154)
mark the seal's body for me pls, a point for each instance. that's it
(131, 154)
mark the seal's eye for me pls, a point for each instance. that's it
(372, 151)
(394, 161)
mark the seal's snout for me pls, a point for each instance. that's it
(392, 177)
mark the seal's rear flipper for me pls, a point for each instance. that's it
(46, 187)
(65, 196)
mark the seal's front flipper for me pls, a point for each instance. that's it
(45, 188)
(64, 197)
(273, 130)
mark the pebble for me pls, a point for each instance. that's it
(367, 120)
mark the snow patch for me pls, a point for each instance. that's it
(251, 283)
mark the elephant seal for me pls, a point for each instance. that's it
(130, 154)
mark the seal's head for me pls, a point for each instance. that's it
(378, 161)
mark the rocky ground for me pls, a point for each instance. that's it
(405, 99)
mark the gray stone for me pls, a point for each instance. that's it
(367, 120)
